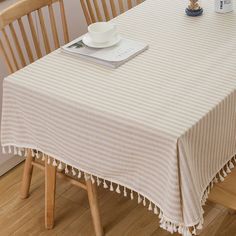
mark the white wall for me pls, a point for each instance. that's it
(76, 24)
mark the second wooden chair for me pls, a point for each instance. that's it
(102, 10)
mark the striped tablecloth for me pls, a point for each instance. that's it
(162, 125)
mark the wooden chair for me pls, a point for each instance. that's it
(103, 10)
(15, 14)
(16, 57)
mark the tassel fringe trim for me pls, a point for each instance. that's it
(164, 223)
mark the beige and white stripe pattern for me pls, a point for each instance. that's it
(162, 125)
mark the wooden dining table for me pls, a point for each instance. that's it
(160, 129)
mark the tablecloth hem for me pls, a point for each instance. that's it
(220, 176)
(165, 222)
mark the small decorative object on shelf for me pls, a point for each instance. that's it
(194, 8)
(223, 6)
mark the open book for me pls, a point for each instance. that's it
(113, 56)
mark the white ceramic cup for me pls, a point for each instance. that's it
(102, 32)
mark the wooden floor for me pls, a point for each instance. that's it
(121, 216)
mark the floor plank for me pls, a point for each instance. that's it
(120, 215)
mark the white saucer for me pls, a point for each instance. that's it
(88, 42)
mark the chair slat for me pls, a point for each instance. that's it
(129, 4)
(90, 9)
(97, 9)
(113, 8)
(10, 49)
(53, 26)
(86, 13)
(26, 41)
(20, 55)
(64, 22)
(18, 48)
(44, 32)
(105, 9)
(121, 6)
(4, 54)
(34, 36)
(20, 9)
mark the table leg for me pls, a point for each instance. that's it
(94, 208)
(50, 190)
(27, 176)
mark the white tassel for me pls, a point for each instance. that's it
(86, 176)
(212, 184)
(204, 198)
(111, 187)
(180, 229)
(98, 181)
(228, 170)
(92, 179)
(221, 178)
(199, 227)
(60, 166)
(231, 165)
(175, 228)
(37, 155)
(162, 220)
(131, 195)
(73, 172)
(202, 211)
(224, 173)
(43, 158)
(155, 210)
(216, 180)
(79, 174)
(170, 228)
(19, 152)
(3, 150)
(54, 162)
(208, 191)
(105, 184)
(202, 221)
(15, 151)
(49, 160)
(118, 188)
(163, 225)
(66, 170)
(125, 192)
(150, 206)
(9, 149)
(144, 201)
(160, 214)
(139, 199)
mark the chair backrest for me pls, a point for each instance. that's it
(25, 11)
(104, 10)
